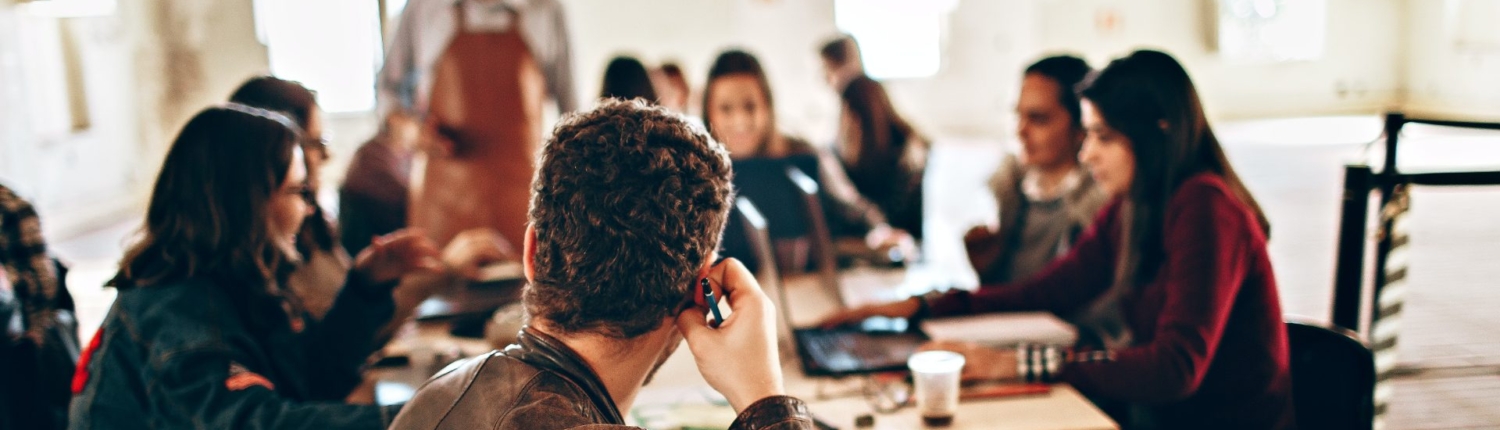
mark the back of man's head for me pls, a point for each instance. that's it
(628, 203)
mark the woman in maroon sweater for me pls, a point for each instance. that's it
(1175, 269)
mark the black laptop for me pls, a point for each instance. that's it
(854, 350)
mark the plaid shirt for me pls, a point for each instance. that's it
(24, 255)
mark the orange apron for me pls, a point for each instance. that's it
(487, 96)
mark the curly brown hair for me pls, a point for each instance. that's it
(628, 202)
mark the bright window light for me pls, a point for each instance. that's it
(1268, 31)
(331, 46)
(897, 38)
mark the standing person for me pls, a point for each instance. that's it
(1045, 196)
(204, 332)
(1190, 318)
(841, 61)
(883, 155)
(611, 296)
(476, 74)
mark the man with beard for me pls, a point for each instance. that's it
(627, 209)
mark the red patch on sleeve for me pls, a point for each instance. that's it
(81, 374)
(246, 380)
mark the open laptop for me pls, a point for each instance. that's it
(877, 346)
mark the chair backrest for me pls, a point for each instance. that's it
(824, 255)
(1333, 377)
(758, 242)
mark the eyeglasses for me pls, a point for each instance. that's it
(320, 143)
(885, 393)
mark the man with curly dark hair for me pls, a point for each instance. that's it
(627, 209)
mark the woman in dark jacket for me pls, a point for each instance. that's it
(204, 333)
(1174, 275)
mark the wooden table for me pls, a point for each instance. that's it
(1062, 408)
(840, 402)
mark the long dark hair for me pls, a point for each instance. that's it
(208, 210)
(739, 62)
(626, 78)
(297, 102)
(1137, 95)
(289, 98)
(883, 134)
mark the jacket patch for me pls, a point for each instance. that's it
(241, 378)
(81, 374)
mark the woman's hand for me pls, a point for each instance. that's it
(981, 363)
(984, 247)
(902, 309)
(884, 237)
(475, 248)
(398, 254)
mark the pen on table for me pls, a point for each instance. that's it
(713, 305)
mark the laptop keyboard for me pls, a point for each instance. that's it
(843, 351)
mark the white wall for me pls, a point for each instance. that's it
(986, 45)
(72, 177)
(146, 69)
(1361, 55)
(1443, 78)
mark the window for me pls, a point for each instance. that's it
(1268, 31)
(331, 46)
(897, 38)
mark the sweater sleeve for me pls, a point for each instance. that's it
(1207, 241)
(1064, 286)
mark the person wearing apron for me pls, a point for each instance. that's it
(480, 100)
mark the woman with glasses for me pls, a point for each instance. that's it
(204, 332)
(325, 263)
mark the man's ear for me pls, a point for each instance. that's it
(528, 253)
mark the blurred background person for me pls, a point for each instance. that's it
(1045, 196)
(324, 264)
(739, 112)
(626, 78)
(672, 89)
(475, 75)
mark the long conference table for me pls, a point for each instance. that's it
(678, 396)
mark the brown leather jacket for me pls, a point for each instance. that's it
(538, 383)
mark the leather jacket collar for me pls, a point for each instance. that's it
(545, 352)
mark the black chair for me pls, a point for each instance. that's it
(825, 257)
(757, 241)
(1333, 377)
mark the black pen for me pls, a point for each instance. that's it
(713, 306)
